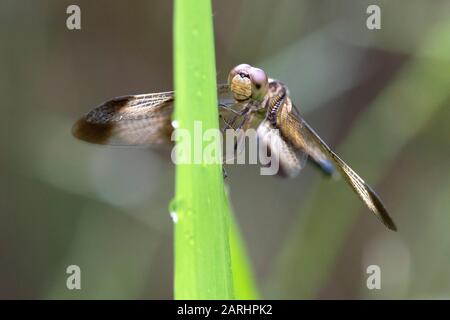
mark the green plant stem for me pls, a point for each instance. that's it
(202, 251)
(243, 278)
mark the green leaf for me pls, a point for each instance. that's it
(203, 267)
(243, 278)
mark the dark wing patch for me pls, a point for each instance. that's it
(129, 120)
(142, 120)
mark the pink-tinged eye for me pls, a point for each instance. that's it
(242, 70)
(260, 83)
(240, 83)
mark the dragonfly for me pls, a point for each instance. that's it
(249, 99)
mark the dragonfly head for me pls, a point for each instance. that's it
(247, 82)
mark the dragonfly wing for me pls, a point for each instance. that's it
(142, 120)
(291, 159)
(307, 139)
(315, 152)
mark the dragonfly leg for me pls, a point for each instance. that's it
(227, 124)
(225, 107)
(240, 114)
(230, 125)
(225, 174)
(238, 131)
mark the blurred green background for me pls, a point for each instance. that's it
(380, 98)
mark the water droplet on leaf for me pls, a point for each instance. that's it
(174, 217)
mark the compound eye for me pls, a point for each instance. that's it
(259, 83)
(240, 82)
(242, 70)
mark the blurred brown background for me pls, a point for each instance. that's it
(380, 98)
